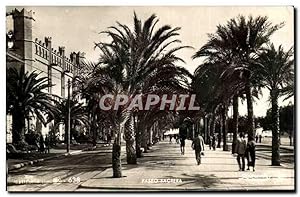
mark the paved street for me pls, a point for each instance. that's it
(287, 155)
(64, 169)
(163, 168)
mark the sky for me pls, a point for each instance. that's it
(77, 28)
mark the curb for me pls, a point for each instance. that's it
(20, 165)
(281, 147)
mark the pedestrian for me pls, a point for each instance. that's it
(241, 150)
(170, 136)
(256, 138)
(260, 136)
(47, 143)
(210, 142)
(182, 145)
(108, 138)
(250, 153)
(214, 142)
(41, 143)
(198, 146)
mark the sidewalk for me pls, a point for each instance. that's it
(269, 145)
(165, 169)
(281, 146)
(13, 164)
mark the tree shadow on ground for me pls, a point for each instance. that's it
(199, 180)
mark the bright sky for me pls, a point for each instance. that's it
(77, 29)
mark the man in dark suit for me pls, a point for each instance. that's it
(198, 146)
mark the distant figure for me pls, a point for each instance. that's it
(177, 138)
(250, 153)
(210, 142)
(47, 144)
(41, 143)
(260, 136)
(256, 138)
(198, 146)
(241, 150)
(108, 138)
(182, 145)
(170, 136)
(214, 142)
(219, 140)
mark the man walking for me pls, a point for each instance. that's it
(182, 136)
(241, 150)
(182, 145)
(250, 153)
(198, 146)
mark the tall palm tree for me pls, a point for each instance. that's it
(239, 41)
(135, 55)
(276, 71)
(27, 96)
(214, 91)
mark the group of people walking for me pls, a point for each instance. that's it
(197, 146)
(245, 150)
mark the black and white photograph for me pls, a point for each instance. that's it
(150, 98)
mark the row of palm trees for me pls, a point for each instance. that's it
(238, 61)
(138, 61)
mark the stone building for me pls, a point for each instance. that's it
(23, 50)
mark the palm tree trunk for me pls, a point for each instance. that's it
(154, 133)
(207, 134)
(94, 130)
(251, 131)
(116, 153)
(145, 139)
(130, 141)
(138, 136)
(18, 127)
(72, 125)
(235, 121)
(150, 133)
(291, 137)
(204, 125)
(220, 134)
(224, 129)
(213, 125)
(275, 129)
(66, 131)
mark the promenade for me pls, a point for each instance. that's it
(164, 168)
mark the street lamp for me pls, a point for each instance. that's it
(10, 40)
(69, 118)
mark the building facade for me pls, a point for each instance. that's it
(33, 54)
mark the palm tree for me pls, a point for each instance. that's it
(215, 90)
(78, 114)
(235, 116)
(27, 96)
(236, 44)
(276, 69)
(132, 57)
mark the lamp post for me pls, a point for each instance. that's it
(69, 118)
